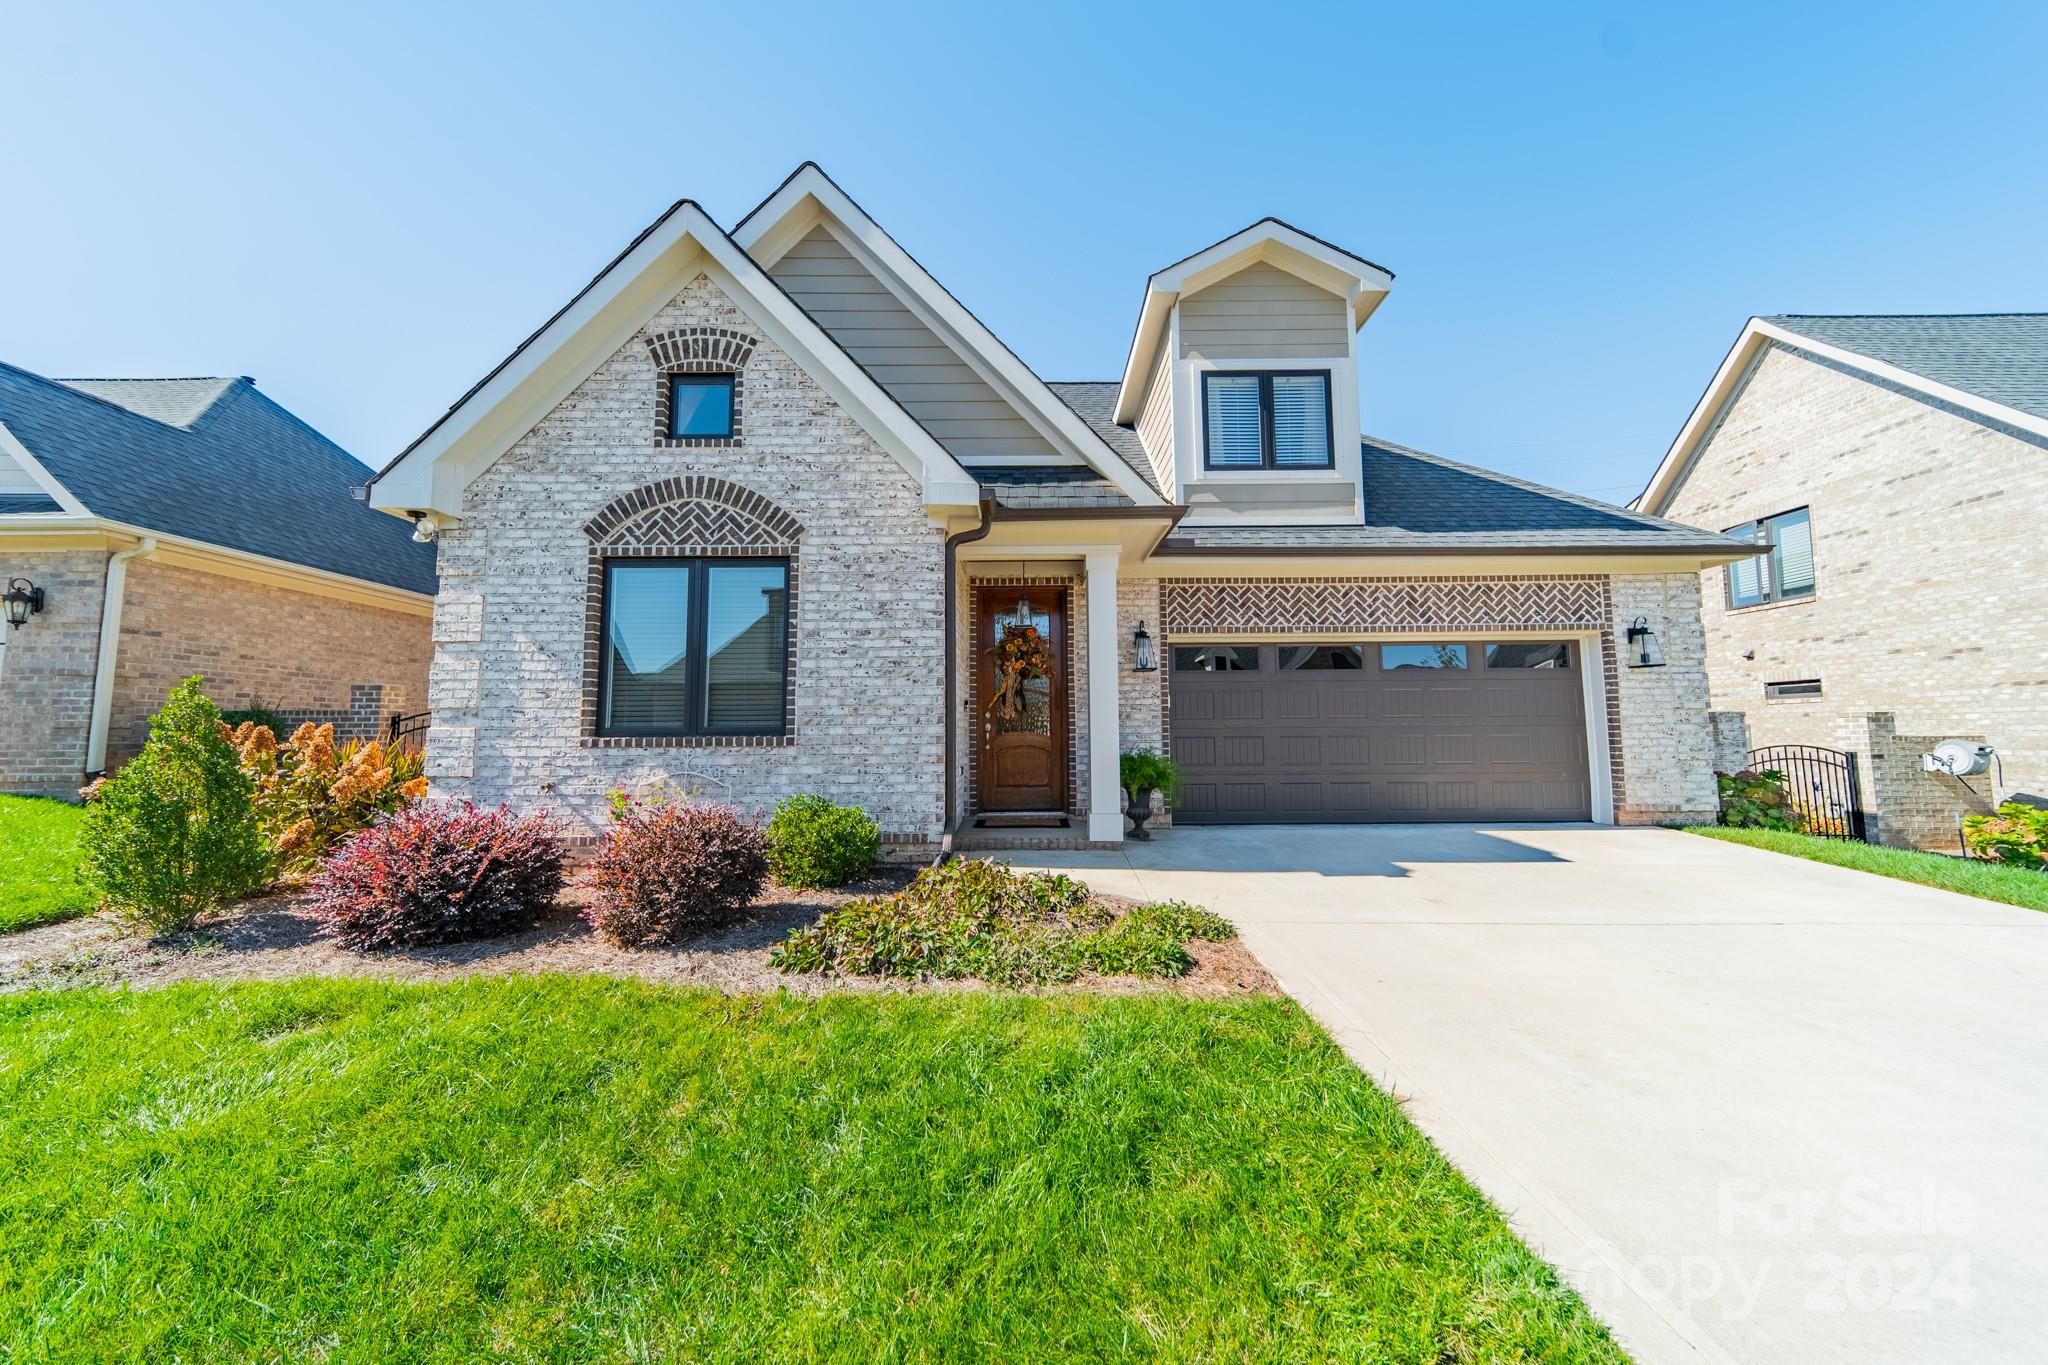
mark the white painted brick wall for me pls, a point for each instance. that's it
(867, 707)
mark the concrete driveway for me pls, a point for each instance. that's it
(1755, 1109)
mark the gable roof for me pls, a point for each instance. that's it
(430, 474)
(1991, 365)
(233, 470)
(1421, 503)
(785, 217)
(1361, 283)
(2000, 357)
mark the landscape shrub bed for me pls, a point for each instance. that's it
(668, 871)
(813, 843)
(977, 918)
(440, 873)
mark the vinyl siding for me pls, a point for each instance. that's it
(1155, 421)
(907, 358)
(1262, 312)
(14, 480)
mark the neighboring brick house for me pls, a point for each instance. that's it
(1893, 467)
(752, 513)
(167, 527)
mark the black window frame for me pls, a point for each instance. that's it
(697, 701)
(1267, 461)
(703, 378)
(1770, 570)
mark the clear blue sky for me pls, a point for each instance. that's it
(366, 207)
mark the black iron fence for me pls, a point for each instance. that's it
(410, 731)
(1821, 784)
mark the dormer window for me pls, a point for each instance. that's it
(1266, 419)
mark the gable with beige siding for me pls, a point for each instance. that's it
(907, 358)
(1264, 313)
(1155, 423)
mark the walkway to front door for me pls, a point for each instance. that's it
(1757, 1109)
(1022, 759)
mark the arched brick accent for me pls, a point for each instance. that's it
(699, 350)
(692, 514)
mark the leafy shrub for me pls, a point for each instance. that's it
(438, 873)
(669, 871)
(173, 834)
(1757, 800)
(311, 794)
(977, 918)
(812, 842)
(1142, 768)
(2017, 834)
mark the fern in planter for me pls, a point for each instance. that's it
(1142, 772)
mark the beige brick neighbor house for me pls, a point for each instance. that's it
(770, 511)
(1890, 471)
(151, 529)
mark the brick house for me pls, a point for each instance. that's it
(753, 513)
(166, 527)
(1890, 470)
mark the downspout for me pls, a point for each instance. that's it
(110, 643)
(952, 649)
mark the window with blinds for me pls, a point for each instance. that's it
(695, 647)
(1784, 573)
(1266, 420)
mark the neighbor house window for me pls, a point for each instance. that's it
(695, 647)
(700, 406)
(1278, 419)
(1786, 572)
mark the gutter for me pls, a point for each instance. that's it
(951, 644)
(110, 643)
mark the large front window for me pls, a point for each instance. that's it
(1786, 572)
(695, 647)
(1274, 419)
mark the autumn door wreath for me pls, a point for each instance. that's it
(1020, 656)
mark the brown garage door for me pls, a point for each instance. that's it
(1471, 730)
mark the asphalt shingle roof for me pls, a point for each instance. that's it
(1094, 402)
(1049, 486)
(2002, 357)
(1416, 501)
(238, 471)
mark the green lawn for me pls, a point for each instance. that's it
(1989, 881)
(38, 862)
(556, 1168)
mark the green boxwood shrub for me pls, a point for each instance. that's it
(173, 834)
(813, 843)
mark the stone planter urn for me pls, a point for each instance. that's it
(1138, 805)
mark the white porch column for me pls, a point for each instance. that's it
(1105, 665)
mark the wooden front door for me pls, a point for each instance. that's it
(1023, 759)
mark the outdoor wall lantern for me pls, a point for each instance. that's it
(1643, 649)
(1144, 658)
(24, 599)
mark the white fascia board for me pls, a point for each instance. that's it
(809, 195)
(1756, 335)
(11, 445)
(479, 430)
(1269, 240)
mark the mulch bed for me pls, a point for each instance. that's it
(272, 937)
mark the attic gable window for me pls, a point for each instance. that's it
(700, 407)
(1266, 419)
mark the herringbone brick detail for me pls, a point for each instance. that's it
(697, 514)
(1381, 604)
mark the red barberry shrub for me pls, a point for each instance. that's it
(668, 872)
(438, 873)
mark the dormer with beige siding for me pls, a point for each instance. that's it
(1243, 378)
